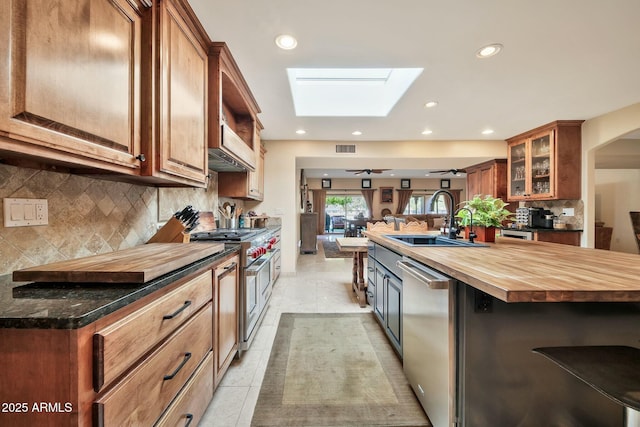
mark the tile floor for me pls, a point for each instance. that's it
(321, 285)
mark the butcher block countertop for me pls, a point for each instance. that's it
(515, 270)
(59, 304)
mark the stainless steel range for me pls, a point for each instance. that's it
(257, 248)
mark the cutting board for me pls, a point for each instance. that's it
(139, 264)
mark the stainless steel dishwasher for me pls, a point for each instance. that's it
(428, 339)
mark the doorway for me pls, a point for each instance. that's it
(341, 208)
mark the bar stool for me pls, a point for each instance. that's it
(614, 371)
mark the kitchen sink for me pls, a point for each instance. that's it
(432, 240)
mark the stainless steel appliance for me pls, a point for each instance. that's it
(540, 218)
(517, 234)
(426, 326)
(256, 251)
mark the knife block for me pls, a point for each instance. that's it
(171, 232)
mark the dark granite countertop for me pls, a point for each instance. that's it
(542, 230)
(71, 305)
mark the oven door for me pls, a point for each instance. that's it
(517, 234)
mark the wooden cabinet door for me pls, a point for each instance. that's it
(70, 86)
(473, 183)
(226, 316)
(544, 163)
(393, 295)
(183, 106)
(256, 178)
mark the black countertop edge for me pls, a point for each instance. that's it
(129, 293)
(537, 230)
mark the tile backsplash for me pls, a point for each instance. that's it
(87, 216)
(575, 222)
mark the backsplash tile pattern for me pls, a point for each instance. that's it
(86, 216)
(575, 222)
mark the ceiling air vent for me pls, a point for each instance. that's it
(345, 148)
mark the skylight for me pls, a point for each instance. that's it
(355, 92)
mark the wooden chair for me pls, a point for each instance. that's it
(380, 226)
(635, 222)
(414, 226)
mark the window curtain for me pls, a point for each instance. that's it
(403, 199)
(319, 205)
(368, 199)
(456, 198)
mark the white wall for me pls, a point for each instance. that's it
(284, 159)
(617, 191)
(596, 133)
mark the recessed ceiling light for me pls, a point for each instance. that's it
(301, 131)
(325, 174)
(392, 174)
(430, 104)
(489, 50)
(487, 131)
(356, 133)
(427, 132)
(286, 42)
(426, 174)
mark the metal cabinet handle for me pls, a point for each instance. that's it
(187, 356)
(178, 311)
(231, 266)
(189, 419)
(141, 157)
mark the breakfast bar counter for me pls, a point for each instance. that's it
(514, 270)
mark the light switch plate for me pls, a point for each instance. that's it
(25, 212)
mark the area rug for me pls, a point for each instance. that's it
(334, 370)
(331, 250)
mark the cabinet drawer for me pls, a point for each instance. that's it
(147, 390)
(193, 400)
(118, 346)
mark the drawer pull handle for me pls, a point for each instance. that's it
(231, 266)
(189, 419)
(187, 356)
(178, 311)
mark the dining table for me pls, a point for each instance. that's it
(357, 245)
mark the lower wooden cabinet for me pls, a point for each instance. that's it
(192, 402)
(564, 237)
(146, 391)
(156, 360)
(226, 327)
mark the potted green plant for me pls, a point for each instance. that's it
(487, 212)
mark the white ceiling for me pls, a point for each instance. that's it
(567, 59)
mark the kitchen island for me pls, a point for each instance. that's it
(504, 300)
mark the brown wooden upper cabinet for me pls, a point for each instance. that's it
(182, 87)
(232, 114)
(545, 163)
(235, 148)
(488, 178)
(79, 83)
(70, 82)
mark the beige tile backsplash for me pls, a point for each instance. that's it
(87, 216)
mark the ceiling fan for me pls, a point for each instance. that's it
(367, 171)
(451, 171)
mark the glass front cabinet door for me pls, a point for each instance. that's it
(531, 166)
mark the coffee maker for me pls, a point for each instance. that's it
(540, 218)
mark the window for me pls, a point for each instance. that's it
(349, 206)
(418, 205)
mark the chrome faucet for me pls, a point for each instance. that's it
(452, 222)
(472, 235)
